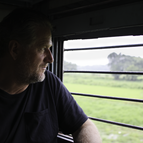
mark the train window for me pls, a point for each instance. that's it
(105, 76)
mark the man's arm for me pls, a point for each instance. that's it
(87, 133)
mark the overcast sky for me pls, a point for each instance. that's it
(99, 56)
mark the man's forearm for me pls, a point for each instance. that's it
(88, 133)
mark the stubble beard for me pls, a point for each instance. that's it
(25, 75)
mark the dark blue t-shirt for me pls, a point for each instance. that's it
(37, 114)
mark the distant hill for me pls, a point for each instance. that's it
(93, 68)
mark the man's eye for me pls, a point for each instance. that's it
(44, 48)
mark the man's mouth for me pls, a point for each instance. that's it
(44, 68)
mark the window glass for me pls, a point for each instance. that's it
(125, 59)
(113, 59)
(100, 42)
(118, 134)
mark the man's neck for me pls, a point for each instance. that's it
(8, 78)
(9, 84)
(9, 81)
(12, 88)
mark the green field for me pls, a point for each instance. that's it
(114, 110)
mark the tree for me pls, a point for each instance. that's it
(121, 62)
(115, 63)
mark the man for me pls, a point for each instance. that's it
(34, 104)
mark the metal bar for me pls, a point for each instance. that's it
(54, 47)
(107, 72)
(108, 97)
(65, 137)
(106, 47)
(60, 59)
(117, 123)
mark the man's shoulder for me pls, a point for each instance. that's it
(49, 76)
(49, 73)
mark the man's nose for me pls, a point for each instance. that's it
(49, 57)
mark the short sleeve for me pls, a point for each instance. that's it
(70, 114)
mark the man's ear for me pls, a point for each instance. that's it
(14, 49)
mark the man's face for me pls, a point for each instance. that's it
(33, 62)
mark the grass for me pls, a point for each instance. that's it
(119, 111)
(101, 80)
(117, 134)
(105, 90)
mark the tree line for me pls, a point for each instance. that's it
(118, 62)
(69, 66)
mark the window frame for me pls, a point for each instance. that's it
(109, 28)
